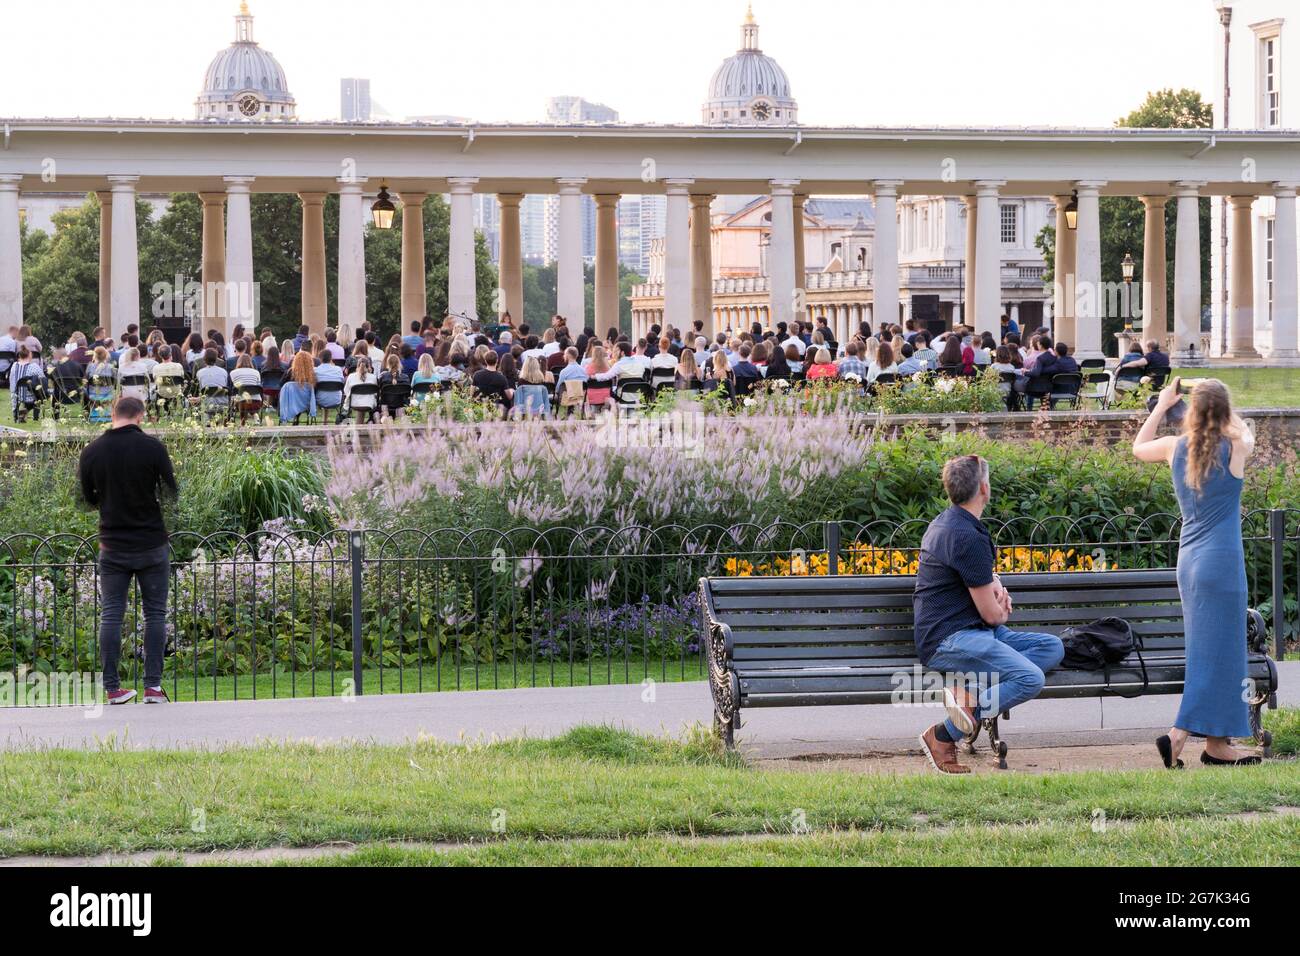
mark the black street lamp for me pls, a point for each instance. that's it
(383, 210)
(1127, 267)
(1072, 212)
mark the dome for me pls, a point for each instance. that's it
(750, 88)
(244, 81)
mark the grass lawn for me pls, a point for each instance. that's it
(598, 795)
(1255, 387)
(432, 678)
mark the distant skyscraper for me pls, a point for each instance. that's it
(569, 111)
(654, 225)
(532, 228)
(487, 220)
(354, 100)
(629, 232)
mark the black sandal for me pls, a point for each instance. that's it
(1250, 761)
(1166, 748)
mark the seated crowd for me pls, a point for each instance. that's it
(524, 372)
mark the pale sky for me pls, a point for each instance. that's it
(850, 62)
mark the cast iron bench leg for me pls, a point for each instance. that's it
(996, 743)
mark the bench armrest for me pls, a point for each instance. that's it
(719, 640)
(1256, 631)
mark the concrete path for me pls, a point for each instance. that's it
(546, 712)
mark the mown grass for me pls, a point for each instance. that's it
(1254, 387)
(592, 783)
(432, 678)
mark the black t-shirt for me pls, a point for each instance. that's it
(1157, 360)
(956, 555)
(491, 384)
(122, 473)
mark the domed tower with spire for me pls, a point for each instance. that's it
(750, 88)
(245, 82)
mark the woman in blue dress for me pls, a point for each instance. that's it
(1208, 461)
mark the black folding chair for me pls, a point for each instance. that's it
(215, 400)
(67, 391)
(1007, 385)
(1065, 388)
(34, 389)
(168, 394)
(364, 390)
(331, 389)
(248, 400)
(7, 359)
(394, 397)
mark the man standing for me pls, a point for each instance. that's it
(122, 474)
(961, 609)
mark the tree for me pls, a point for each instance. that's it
(1123, 218)
(540, 293)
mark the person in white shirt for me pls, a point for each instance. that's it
(245, 374)
(362, 376)
(131, 366)
(797, 342)
(883, 363)
(210, 373)
(627, 364)
(8, 343)
(664, 358)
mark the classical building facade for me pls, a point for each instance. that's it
(245, 82)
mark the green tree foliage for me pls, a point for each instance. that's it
(1122, 218)
(540, 290)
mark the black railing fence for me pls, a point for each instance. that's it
(288, 613)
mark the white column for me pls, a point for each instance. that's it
(677, 254)
(570, 296)
(511, 268)
(1187, 274)
(780, 253)
(415, 299)
(884, 268)
(1088, 302)
(352, 254)
(462, 292)
(1155, 313)
(125, 301)
(1064, 284)
(214, 259)
(315, 299)
(105, 258)
(241, 294)
(11, 254)
(702, 262)
(606, 290)
(972, 240)
(800, 255)
(1286, 315)
(988, 259)
(1241, 305)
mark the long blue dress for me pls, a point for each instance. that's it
(1212, 584)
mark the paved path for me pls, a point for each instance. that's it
(545, 712)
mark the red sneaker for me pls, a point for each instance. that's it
(156, 695)
(122, 695)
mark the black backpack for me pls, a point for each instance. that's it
(1096, 646)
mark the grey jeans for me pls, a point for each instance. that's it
(152, 570)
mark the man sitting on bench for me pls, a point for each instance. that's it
(961, 609)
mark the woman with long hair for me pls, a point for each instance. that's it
(951, 356)
(1208, 461)
(298, 393)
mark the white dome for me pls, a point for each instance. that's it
(244, 81)
(750, 88)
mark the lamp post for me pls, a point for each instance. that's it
(383, 209)
(1072, 212)
(1127, 267)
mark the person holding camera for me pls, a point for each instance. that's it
(1208, 461)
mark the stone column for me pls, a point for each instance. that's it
(214, 259)
(570, 296)
(1155, 313)
(1088, 303)
(462, 291)
(105, 258)
(352, 254)
(988, 259)
(415, 297)
(606, 291)
(125, 276)
(800, 255)
(677, 261)
(11, 254)
(241, 293)
(315, 299)
(780, 254)
(1286, 316)
(1187, 274)
(972, 267)
(511, 269)
(1241, 306)
(884, 269)
(1064, 283)
(702, 262)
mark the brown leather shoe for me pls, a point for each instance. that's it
(942, 756)
(960, 711)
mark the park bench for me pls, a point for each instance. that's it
(846, 639)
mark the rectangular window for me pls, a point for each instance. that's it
(1268, 73)
(1008, 225)
(1268, 266)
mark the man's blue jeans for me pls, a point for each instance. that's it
(1007, 665)
(152, 571)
